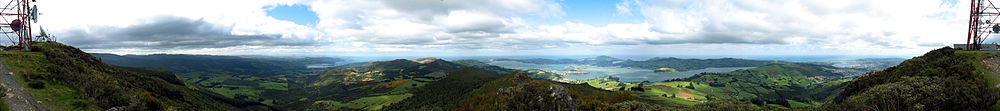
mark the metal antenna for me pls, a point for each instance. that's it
(982, 21)
(17, 17)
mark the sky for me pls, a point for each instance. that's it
(507, 27)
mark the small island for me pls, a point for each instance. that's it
(664, 70)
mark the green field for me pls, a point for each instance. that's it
(366, 103)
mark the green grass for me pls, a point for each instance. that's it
(3, 105)
(366, 103)
(63, 97)
(797, 104)
(656, 91)
(436, 74)
(252, 86)
(410, 84)
(274, 86)
(601, 84)
(268, 102)
(232, 92)
(3, 101)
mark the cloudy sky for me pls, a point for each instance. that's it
(507, 27)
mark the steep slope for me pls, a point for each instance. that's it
(942, 79)
(70, 79)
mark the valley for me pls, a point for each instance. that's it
(438, 84)
(400, 84)
(499, 55)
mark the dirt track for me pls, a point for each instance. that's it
(18, 99)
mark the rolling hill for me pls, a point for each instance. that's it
(652, 64)
(370, 85)
(942, 79)
(70, 79)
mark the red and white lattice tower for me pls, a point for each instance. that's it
(16, 17)
(982, 23)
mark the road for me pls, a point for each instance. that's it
(18, 99)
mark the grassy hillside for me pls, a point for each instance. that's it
(65, 78)
(942, 79)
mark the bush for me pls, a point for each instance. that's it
(151, 102)
(36, 84)
(638, 106)
(925, 93)
(725, 105)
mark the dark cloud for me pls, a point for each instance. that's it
(170, 33)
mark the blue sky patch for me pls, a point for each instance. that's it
(593, 12)
(299, 14)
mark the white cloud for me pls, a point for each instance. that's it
(499, 27)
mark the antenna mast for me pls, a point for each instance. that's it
(982, 22)
(16, 18)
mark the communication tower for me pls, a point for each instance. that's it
(16, 18)
(982, 23)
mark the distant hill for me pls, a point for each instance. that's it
(942, 79)
(70, 79)
(652, 64)
(691, 64)
(541, 61)
(871, 64)
(431, 83)
(599, 60)
(473, 90)
(777, 83)
(183, 63)
(371, 85)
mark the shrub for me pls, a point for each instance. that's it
(151, 102)
(725, 105)
(634, 105)
(36, 84)
(925, 93)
